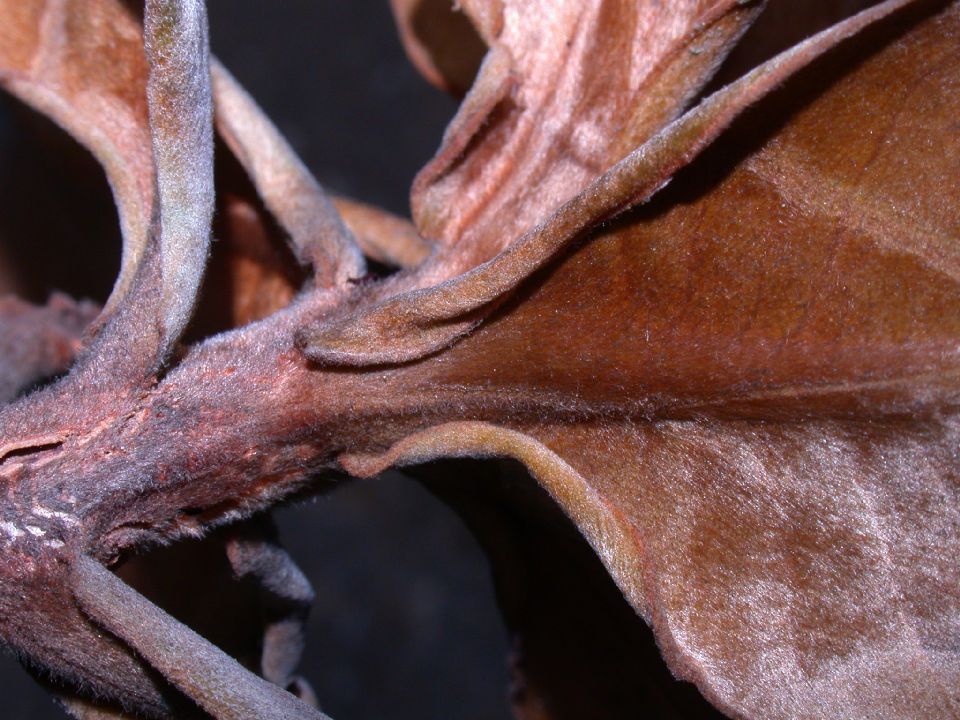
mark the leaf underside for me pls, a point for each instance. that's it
(756, 425)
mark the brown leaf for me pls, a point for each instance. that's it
(538, 126)
(755, 428)
(744, 393)
(578, 648)
(409, 326)
(770, 289)
(440, 41)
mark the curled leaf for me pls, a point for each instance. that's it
(605, 528)
(781, 566)
(756, 426)
(538, 127)
(81, 63)
(744, 393)
(421, 322)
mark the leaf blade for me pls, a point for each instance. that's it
(410, 326)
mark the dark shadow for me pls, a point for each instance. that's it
(252, 271)
(404, 624)
(579, 650)
(454, 46)
(58, 229)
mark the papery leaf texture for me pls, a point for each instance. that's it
(674, 327)
(425, 321)
(548, 126)
(742, 428)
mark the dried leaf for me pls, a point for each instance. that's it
(756, 427)
(410, 326)
(743, 393)
(538, 127)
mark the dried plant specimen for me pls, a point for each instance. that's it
(715, 319)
